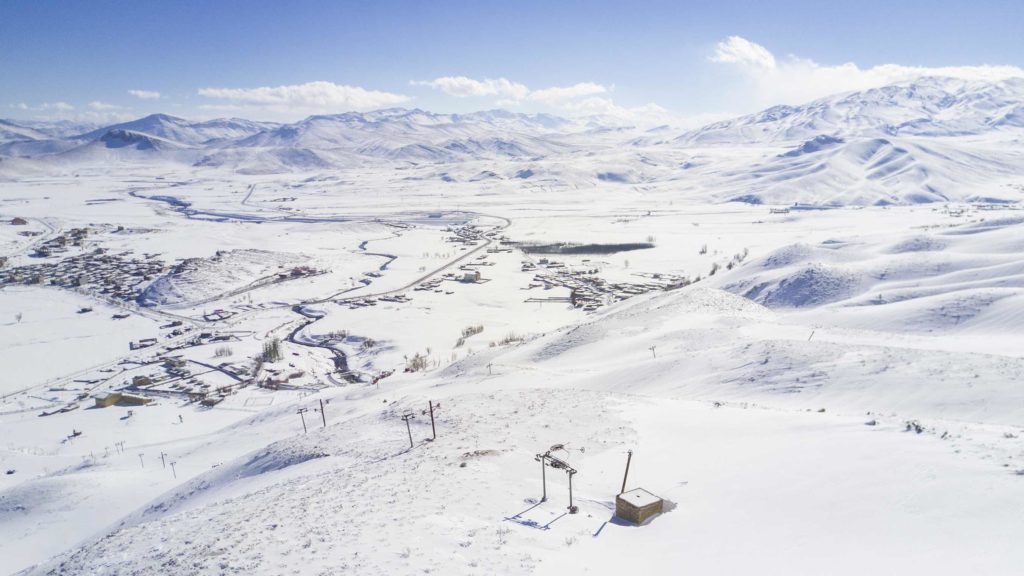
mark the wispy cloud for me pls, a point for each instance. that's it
(300, 99)
(145, 94)
(102, 106)
(580, 99)
(463, 87)
(509, 91)
(793, 80)
(59, 107)
(560, 94)
(94, 112)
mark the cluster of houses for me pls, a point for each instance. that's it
(171, 376)
(297, 272)
(117, 276)
(60, 243)
(467, 235)
(277, 378)
(429, 286)
(589, 291)
(360, 302)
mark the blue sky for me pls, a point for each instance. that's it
(282, 60)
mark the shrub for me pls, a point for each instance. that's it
(417, 363)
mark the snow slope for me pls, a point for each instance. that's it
(353, 497)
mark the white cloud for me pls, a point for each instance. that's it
(102, 106)
(49, 107)
(300, 99)
(580, 99)
(646, 115)
(508, 91)
(737, 50)
(145, 94)
(557, 94)
(462, 87)
(94, 112)
(297, 100)
(794, 80)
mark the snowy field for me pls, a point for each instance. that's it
(821, 379)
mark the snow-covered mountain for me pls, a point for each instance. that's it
(11, 131)
(925, 107)
(398, 133)
(183, 131)
(929, 140)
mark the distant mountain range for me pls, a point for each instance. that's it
(930, 140)
(330, 140)
(925, 107)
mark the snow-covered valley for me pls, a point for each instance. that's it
(806, 325)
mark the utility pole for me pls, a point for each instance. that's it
(543, 477)
(302, 414)
(163, 459)
(143, 464)
(653, 352)
(626, 475)
(406, 417)
(433, 430)
(173, 471)
(572, 509)
(323, 416)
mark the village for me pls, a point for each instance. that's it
(115, 276)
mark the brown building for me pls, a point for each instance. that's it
(111, 398)
(637, 505)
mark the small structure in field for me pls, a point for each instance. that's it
(17, 221)
(109, 399)
(637, 505)
(112, 398)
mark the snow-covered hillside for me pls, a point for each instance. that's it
(735, 419)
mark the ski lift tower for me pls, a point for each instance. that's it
(546, 459)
